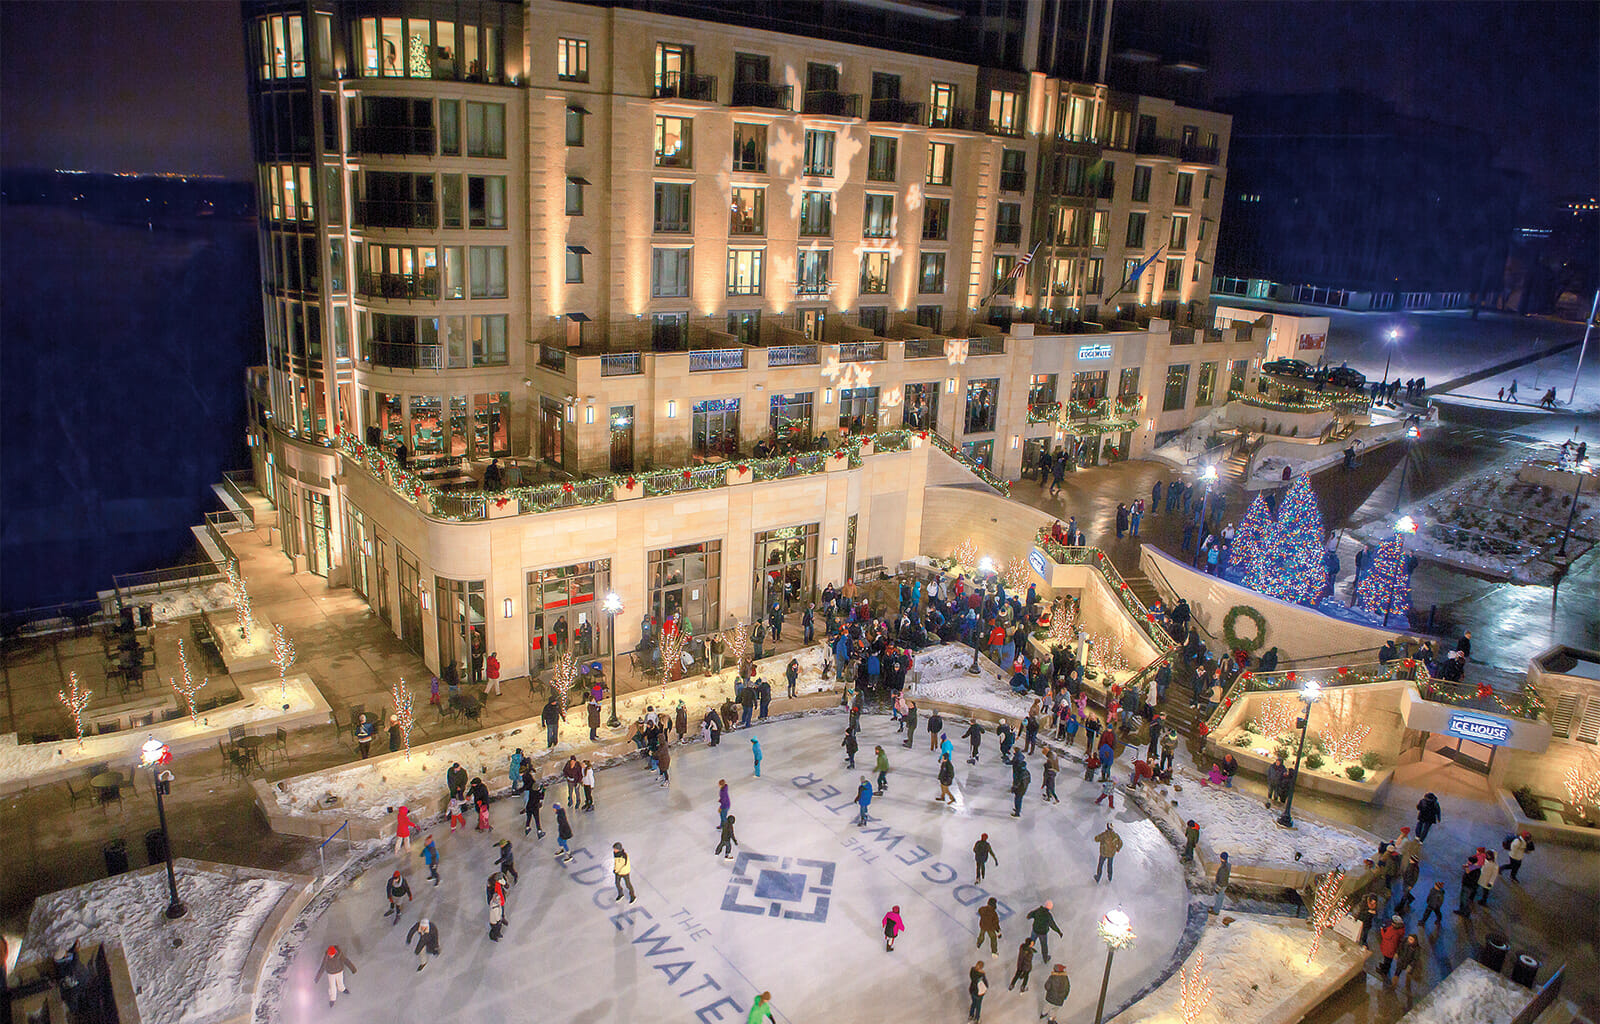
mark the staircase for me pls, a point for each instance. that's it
(1175, 708)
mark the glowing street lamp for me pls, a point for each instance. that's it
(1394, 336)
(612, 606)
(152, 755)
(1309, 694)
(1208, 476)
(1116, 931)
(985, 565)
(1579, 470)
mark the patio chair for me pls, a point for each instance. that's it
(238, 763)
(280, 743)
(108, 795)
(235, 733)
(77, 794)
(99, 768)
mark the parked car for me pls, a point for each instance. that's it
(1288, 367)
(1345, 377)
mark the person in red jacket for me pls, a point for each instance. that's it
(1389, 939)
(403, 827)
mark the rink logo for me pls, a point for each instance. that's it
(793, 888)
(1483, 730)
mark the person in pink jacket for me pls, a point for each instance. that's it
(892, 927)
(403, 827)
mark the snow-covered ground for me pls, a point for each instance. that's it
(259, 704)
(1534, 379)
(1253, 965)
(796, 913)
(181, 604)
(188, 971)
(1470, 994)
(1240, 825)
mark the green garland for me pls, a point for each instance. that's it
(1234, 641)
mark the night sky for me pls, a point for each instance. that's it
(137, 85)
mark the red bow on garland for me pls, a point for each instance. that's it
(687, 476)
(566, 488)
(501, 502)
(743, 470)
(629, 483)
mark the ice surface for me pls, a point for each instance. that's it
(186, 971)
(702, 932)
(1243, 827)
(1471, 994)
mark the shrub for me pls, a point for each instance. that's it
(1313, 760)
(1242, 740)
(1249, 725)
(1356, 772)
(1318, 744)
(1282, 751)
(1528, 802)
(1370, 760)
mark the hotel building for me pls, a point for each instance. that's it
(618, 250)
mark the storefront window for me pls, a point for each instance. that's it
(921, 409)
(1042, 389)
(858, 410)
(1207, 385)
(687, 581)
(410, 600)
(491, 418)
(786, 567)
(1177, 392)
(980, 452)
(317, 529)
(1089, 385)
(356, 543)
(789, 417)
(982, 403)
(427, 434)
(715, 429)
(1128, 383)
(564, 612)
(462, 644)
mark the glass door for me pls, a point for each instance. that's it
(622, 439)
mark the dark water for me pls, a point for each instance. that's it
(122, 357)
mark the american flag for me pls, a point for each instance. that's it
(1016, 272)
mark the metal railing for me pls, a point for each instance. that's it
(130, 585)
(925, 348)
(403, 356)
(686, 85)
(707, 360)
(894, 111)
(620, 364)
(396, 213)
(674, 481)
(1044, 412)
(398, 286)
(402, 140)
(831, 103)
(564, 495)
(986, 347)
(801, 464)
(861, 351)
(762, 94)
(552, 358)
(792, 355)
(1098, 559)
(953, 118)
(230, 484)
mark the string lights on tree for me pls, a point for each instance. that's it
(739, 644)
(241, 600)
(1583, 786)
(76, 700)
(1328, 906)
(1016, 574)
(966, 554)
(186, 686)
(1385, 587)
(282, 657)
(1346, 744)
(1063, 624)
(1290, 565)
(1278, 716)
(404, 714)
(1194, 991)
(1250, 537)
(672, 640)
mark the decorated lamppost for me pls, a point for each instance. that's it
(1577, 492)
(1310, 693)
(612, 606)
(1116, 931)
(153, 755)
(1397, 579)
(1412, 433)
(985, 564)
(1208, 476)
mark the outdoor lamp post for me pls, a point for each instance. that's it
(985, 564)
(1412, 433)
(153, 755)
(1394, 336)
(1403, 526)
(1309, 695)
(1579, 470)
(612, 605)
(1116, 931)
(1208, 476)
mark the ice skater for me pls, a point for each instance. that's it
(1056, 989)
(1024, 965)
(974, 734)
(508, 861)
(989, 926)
(728, 840)
(863, 799)
(403, 827)
(1020, 778)
(1108, 793)
(892, 927)
(882, 767)
(397, 889)
(532, 801)
(622, 871)
(1110, 843)
(334, 964)
(427, 941)
(850, 746)
(1044, 922)
(755, 752)
(430, 857)
(983, 853)
(724, 801)
(947, 776)
(563, 833)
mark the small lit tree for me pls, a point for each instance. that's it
(672, 640)
(1278, 716)
(403, 714)
(739, 644)
(1327, 907)
(1063, 624)
(1348, 743)
(241, 601)
(1016, 574)
(186, 686)
(75, 700)
(1194, 991)
(1583, 786)
(282, 657)
(966, 554)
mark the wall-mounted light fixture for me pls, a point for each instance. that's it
(950, 385)
(508, 607)
(833, 546)
(672, 409)
(827, 396)
(588, 415)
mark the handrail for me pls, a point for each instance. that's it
(1095, 557)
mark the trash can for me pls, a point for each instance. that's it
(116, 853)
(1493, 953)
(1524, 969)
(155, 847)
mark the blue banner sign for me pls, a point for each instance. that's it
(1039, 562)
(1480, 730)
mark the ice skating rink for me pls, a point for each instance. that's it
(797, 912)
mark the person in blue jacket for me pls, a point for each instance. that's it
(863, 799)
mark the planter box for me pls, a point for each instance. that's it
(237, 654)
(1560, 834)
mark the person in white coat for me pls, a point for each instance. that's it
(1486, 878)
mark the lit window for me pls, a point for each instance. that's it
(941, 160)
(674, 142)
(874, 273)
(572, 60)
(744, 271)
(819, 154)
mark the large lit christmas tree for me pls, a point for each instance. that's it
(1250, 538)
(1385, 588)
(1290, 566)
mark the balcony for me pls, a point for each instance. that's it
(397, 213)
(1007, 234)
(620, 364)
(552, 358)
(1156, 147)
(952, 118)
(792, 355)
(861, 352)
(763, 95)
(1000, 128)
(398, 140)
(894, 111)
(1192, 154)
(714, 359)
(1013, 181)
(404, 356)
(828, 103)
(684, 85)
(995, 346)
(398, 286)
(812, 286)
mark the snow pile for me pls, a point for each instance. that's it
(1254, 966)
(181, 604)
(188, 971)
(943, 674)
(1232, 822)
(1471, 994)
(260, 703)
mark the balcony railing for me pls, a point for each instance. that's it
(861, 352)
(1156, 147)
(1199, 154)
(552, 358)
(404, 356)
(1008, 234)
(620, 364)
(1013, 181)
(402, 140)
(986, 347)
(812, 286)
(894, 111)
(925, 348)
(792, 355)
(708, 360)
(990, 127)
(762, 94)
(397, 213)
(1044, 412)
(828, 103)
(399, 286)
(954, 118)
(685, 85)
(1183, 336)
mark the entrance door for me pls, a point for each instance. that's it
(622, 439)
(1469, 754)
(1032, 448)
